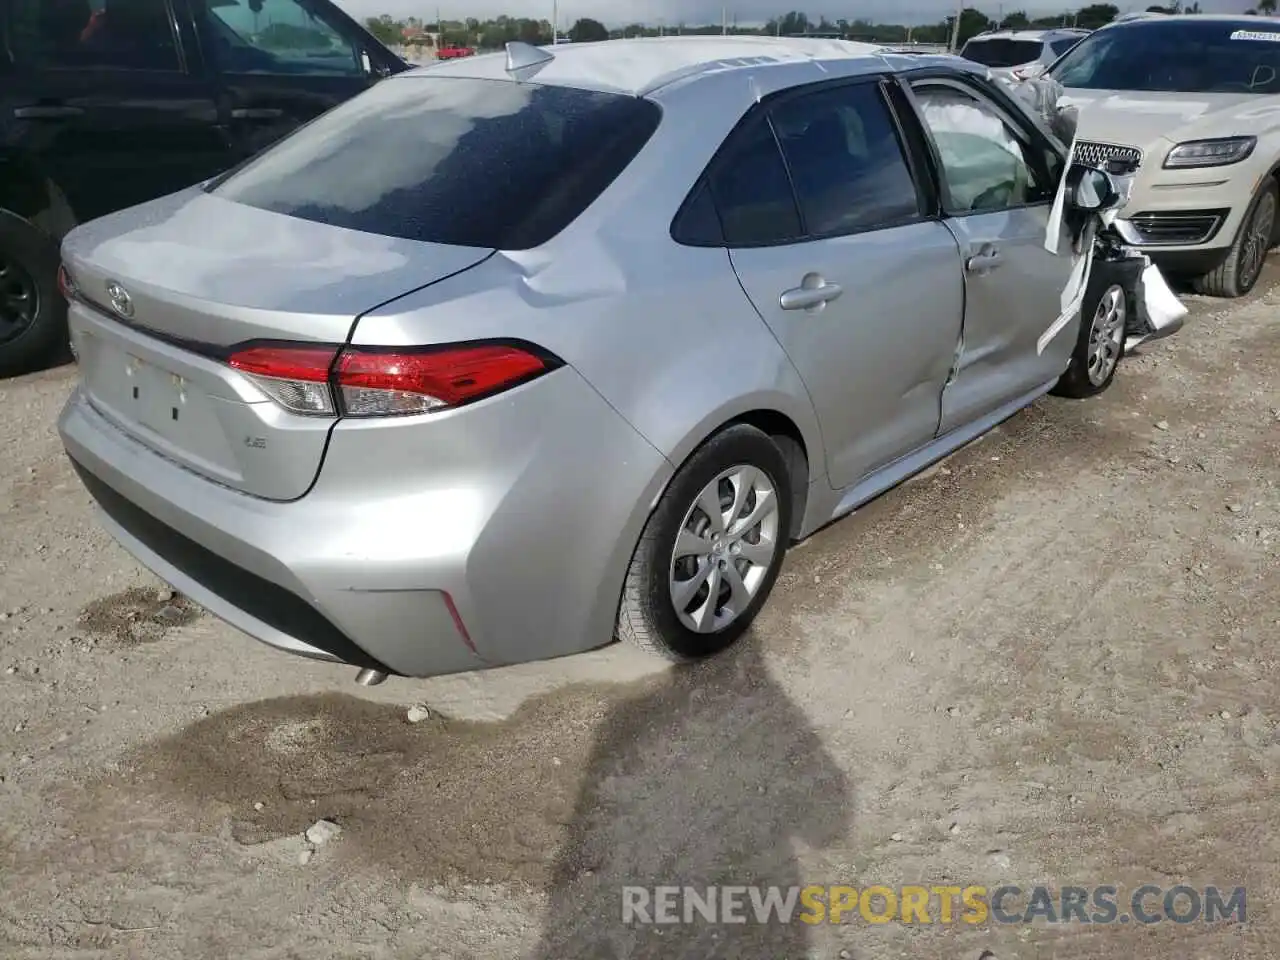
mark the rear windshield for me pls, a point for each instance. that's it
(1177, 56)
(1002, 52)
(476, 163)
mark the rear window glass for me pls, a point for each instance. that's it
(476, 163)
(1002, 52)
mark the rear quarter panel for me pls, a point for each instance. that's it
(663, 332)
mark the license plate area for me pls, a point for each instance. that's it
(138, 391)
(155, 397)
(169, 411)
(194, 410)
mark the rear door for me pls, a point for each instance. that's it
(105, 101)
(999, 178)
(855, 277)
(278, 64)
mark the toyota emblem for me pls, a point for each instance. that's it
(121, 302)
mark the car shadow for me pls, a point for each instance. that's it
(705, 778)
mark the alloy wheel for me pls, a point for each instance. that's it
(725, 548)
(1106, 335)
(19, 300)
(1257, 241)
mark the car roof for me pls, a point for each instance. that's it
(642, 65)
(1030, 34)
(1143, 20)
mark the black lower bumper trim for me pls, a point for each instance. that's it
(275, 606)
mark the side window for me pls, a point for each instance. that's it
(1059, 47)
(985, 163)
(275, 37)
(93, 34)
(696, 223)
(753, 192)
(842, 148)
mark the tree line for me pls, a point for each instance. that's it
(494, 33)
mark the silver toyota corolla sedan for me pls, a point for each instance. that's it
(515, 355)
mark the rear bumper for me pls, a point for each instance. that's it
(255, 605)
(398, 559)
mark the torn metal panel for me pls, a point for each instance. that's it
(1157, 311)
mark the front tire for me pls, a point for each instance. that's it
(1100, 345)
(711, 550)
(1239, 272)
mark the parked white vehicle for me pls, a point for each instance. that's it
(1020, 53)
(1194, 101)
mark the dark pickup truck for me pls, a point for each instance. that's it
(109, 103)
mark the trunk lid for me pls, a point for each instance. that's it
(192, 276)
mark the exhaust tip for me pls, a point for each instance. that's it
(370, 678)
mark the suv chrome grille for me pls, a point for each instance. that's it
(1096, 154)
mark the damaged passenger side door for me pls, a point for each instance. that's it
(999, 176)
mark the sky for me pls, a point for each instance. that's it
(620, 12)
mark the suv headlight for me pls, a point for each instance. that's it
(1210, 153)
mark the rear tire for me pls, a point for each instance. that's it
(696, 581)
(33, 315)
(1100, 345)
(1239, 272)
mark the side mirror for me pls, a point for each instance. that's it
(1090, 189)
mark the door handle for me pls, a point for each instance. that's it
(256, 113)
(987, 259)
(809, 297)
(46, 111)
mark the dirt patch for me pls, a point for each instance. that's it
(137, 615)
(439, 800)
(578, 782)
(706, 772)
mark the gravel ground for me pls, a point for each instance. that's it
(1049, 660)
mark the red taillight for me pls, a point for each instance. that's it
(286, 362)
(380, 382)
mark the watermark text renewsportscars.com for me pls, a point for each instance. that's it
(933, 904)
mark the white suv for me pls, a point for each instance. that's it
(1194, 100)
(1019, 52)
